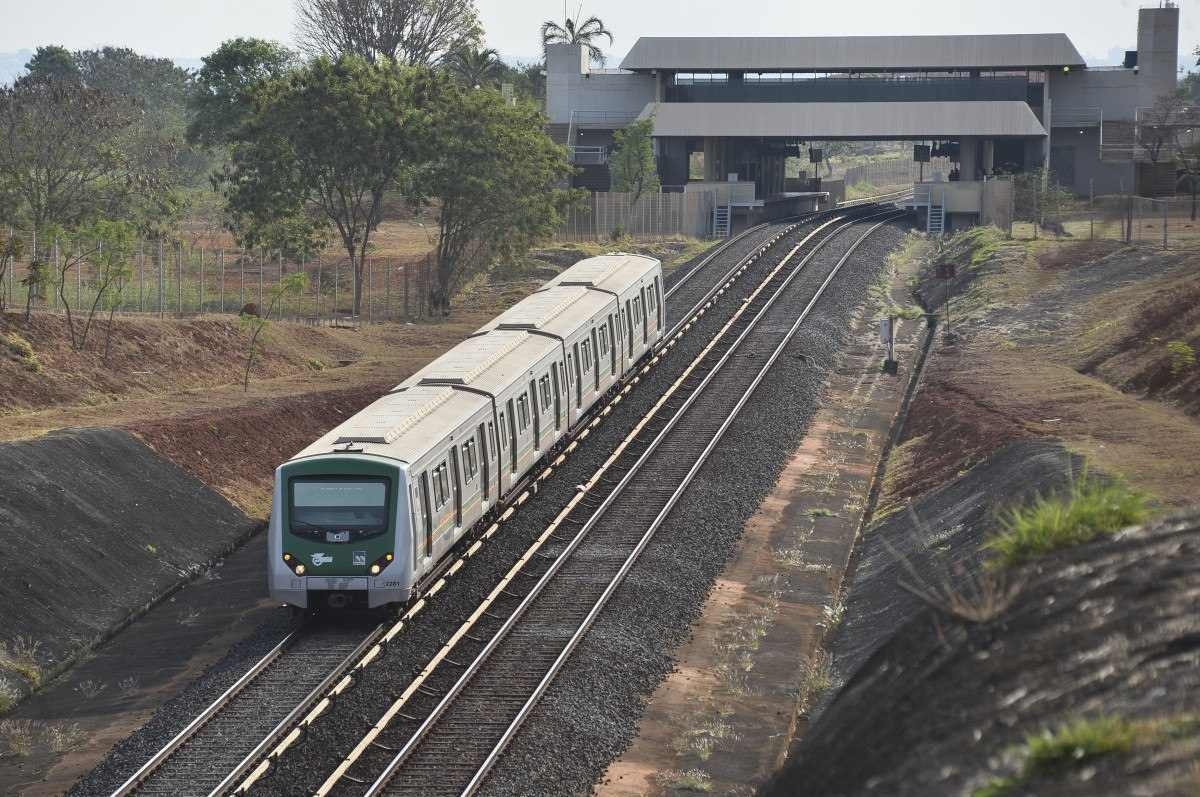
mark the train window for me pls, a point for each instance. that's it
(484, 481)
(441, 485)
(616, 341)
(637, 312)
(557, 398)
(658, 301)
(547, 393)
(586, 356)
(503, 440)
(428, 514)
(414, 505)
(603, 341)
(523, 412)
(470, 460)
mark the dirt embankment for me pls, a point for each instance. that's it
(1076, 674)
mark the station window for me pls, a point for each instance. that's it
(523, 411)
(547, 393)
(441, 485)
(470, 459)
(693, 78)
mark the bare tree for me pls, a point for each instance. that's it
(410, 32)
(1158, 130)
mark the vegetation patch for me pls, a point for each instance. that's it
(1182, 357)
(737, 641)
(1051, 753)
(701, 736)
(685, 780)
(21, 658)
(901, 464)
(22, 738)
(1091, 509)
(21, 350)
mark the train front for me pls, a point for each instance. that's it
(335, 535)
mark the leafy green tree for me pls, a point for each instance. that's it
(494, 178)
(51, 63)
(223, 89)
(586, 33)
(289, 286)
(528, 80)
(323, 145)
(409, 32)
(36, 281)
(12, 248)
(475, 67)
(632, 163)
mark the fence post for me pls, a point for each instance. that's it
(78, 272)
(1166, 205)
(221, 268)
(1092, 209)
(161, 278)
(241, 280)
(261, 262)
(407, 314)
(370, 291)
(318, 289)
(337, 273)
(201, 307)
(387, 287)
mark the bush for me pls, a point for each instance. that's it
(1182, 357)
(1091, 509)
(1070, 745)
(22, 350)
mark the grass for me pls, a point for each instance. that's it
(1181, 355)
(20, 738)
(817, 677)
(685, 780)
(90, 688)
(9, 695)
(1091, 509)
(1074, 743)
(701, 737)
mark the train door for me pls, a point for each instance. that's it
(644, 317)
(578, 378)
(414, 507)
(456, 480)
(557, 398)
(595, 362)
(537, 416)
(613, 343)
(428, 514)
(629, 327)
(484, 451)
(512, 436)
(658, 303)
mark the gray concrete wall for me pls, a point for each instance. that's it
(1115, 91)
(1076, 162)
(571, 85)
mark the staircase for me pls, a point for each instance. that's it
(935, 219)
(722, 217)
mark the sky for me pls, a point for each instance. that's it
(187, 29)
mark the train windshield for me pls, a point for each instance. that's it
(338, 510)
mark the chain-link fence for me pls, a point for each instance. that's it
(166, 278)
(891, 173)
(606, 214)
(1120, 217)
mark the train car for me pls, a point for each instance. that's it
(364, 516)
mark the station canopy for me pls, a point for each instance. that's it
(869, 121)
(853, 53)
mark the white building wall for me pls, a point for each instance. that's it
(571, 85)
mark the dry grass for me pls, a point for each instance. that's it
(817, 677)
(22, 738)
(685, 780)
(21, 658)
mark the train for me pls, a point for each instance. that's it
(366, 516)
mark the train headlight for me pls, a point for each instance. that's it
(296, 567)
(299, 569)
(380, 564)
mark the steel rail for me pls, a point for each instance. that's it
(201, 719)
(501, 634)
(588, 621)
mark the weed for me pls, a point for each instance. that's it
(129, 684)
(61, 738)
(22, 658)
(151, 548)
(737, 640)
(90, 688)
(701, 737)
(1091, 509)
(1182, 357)
(685, 780)
(834, 613)
(190, 617)
(908, 312)
(315, 364)
(17, 737)
(817, 677)
(9, 695)
(821, 512)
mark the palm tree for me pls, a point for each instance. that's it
(474, 66)
(586, 34)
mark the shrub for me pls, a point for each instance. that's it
(9, 695)
(1070, 745)
(1181, 355)
(16, 737)
(1091, 509)
(21, 658)
(686, 780)
(22, 350)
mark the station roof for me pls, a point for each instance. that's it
(840, 53)
(873, 121)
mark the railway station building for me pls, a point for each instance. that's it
(995, 104)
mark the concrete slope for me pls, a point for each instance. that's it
(94, 526)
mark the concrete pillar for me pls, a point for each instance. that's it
(989, 156)
(968, 158)
(712, 160)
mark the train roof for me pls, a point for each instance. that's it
(490, 362)
(558, 310)
(401, 425)
(615, 272)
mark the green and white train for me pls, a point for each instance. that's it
(363, 517)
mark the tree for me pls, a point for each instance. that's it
(51, 63)
(1158, 130)
(291, 285)
(63, 152)
(632, 163)
(223, 89)
(12, 248)
(409, 32)
(1187, 160)
(322, 146)
(474, 67)
(107, 247)
(586, 34)
(493, 175)
(36, 280)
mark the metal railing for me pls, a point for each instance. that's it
(587, 156)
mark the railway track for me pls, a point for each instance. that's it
(234, 742)
(451, 723)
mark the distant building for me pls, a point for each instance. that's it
(999, 103)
